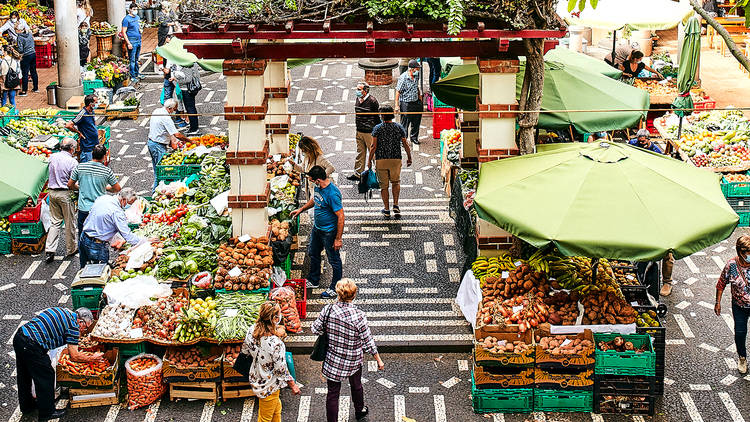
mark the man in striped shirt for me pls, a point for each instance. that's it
(50, 329)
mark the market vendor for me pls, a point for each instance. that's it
(85, 126)
(643, 140)
(106, 218)
(633, 66)
(50, 329)
(622, 52)
(163, 133)
(11, 24)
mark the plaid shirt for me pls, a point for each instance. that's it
(408, 88)
(348, 338)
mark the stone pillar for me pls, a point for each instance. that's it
(497, 135)
(116, 11)
(248, 145)
(68, 62)
(276, 86)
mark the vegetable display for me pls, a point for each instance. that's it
(189, 358)
(145, 381)
(236, 312)
(114, 322)
(493, 345)
(562, 345)
(619, 344)
(197, 320)
(285, 297)
(89, 369)
(159, 320)
(607, 308)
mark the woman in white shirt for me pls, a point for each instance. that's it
(7, 63)
(268, 372)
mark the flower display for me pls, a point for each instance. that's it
(113, 71)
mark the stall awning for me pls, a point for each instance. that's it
(22, 177)
(637, 14)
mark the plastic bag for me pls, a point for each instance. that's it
(145, 386)
(285, 297)
(139, 255)
(278, 277)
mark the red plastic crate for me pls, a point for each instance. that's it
(708, 104)
(299, 285)
(443, 120)
(29, 214)
(45, 57)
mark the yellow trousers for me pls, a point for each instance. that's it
(269, 408)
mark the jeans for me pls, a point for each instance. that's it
(33, 364)
(91, 252)
(9, 95)
(168, 89)
(320, 240)
(188, 98)
(411, 120)
(156, 150)
(434, 69)
(85, 156)
(740, 315)
(28, 66)
(133, 55)
(334, 389)
(82, 215)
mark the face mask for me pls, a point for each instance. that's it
(133, 12)
(14, 20)
(359, 94)
(416, 73)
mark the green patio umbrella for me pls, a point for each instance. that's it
(605, 200)
(460, 88)
(689, 58)
(23, 177)
(581, 61)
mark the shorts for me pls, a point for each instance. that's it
(388, 171)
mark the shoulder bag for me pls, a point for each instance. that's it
(242, 364)
(321, 344)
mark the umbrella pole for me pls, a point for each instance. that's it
(679, 129)
(614, 47)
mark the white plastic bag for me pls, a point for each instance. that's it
(468, 297)
(139, 255)
(146, 386)
(136, 292)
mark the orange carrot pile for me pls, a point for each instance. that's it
(145, 382)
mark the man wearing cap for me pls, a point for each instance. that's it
(408, 100)
(643, 140)
(366, 108)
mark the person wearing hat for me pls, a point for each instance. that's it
(408, 99)
(643, 140)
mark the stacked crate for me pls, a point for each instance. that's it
(647, 314)
(738, 196)
(625, 381)
(502, 382)
(26, 229)
(564, 382)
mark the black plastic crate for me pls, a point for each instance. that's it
(624, 404)
(637, 295)
(740, 203)
(624, 385)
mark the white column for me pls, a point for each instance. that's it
(115, 15)
(68, 62)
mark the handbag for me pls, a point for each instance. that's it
(242, 364)
(320, 348)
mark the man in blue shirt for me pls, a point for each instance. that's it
(131, 35)
(85, 126)
(50, 329)
(327, 230)
(643, 140)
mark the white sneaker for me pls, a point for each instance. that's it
(742, 366)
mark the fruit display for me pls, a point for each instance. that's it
(657, 88)
(88, 369)
(493, 345)
(562, 345)
(619, 344)
(202, 280)
(625, 276)
(563, 308)
(159, 320)
(484, 266)
(605, 307)
(193, 159)
(103, 29)
(36, 127)
(293, 141)
(197, 320)
(171, 216)
(207, 140)
(44, 113)
(37, 17)
(174, 158)
(237, 312)
(189, 358)
(4, 224)
(279, 230)
(737, 177)
(647, 319)
(575, 273)
(36, 151)
(114, 322)
(452, 139)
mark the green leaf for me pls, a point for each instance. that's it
(594, 3)
(581, 4)
(571, 5)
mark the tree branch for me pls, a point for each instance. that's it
(736, 52)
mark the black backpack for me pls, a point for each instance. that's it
(11, 78)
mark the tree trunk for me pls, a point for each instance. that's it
(736, 52)
(531, 101)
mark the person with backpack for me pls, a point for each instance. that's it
(387, 139)
(189, 79)
(10, 71)
(28, 61)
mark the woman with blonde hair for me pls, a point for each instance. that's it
(312, 156)
(268, 372)
(736, 273)
(349, 337)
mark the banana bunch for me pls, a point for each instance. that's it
(539, 262)
(493, 266)
(575, 274)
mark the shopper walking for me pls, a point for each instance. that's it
(736, 273)
(61, 208)
(131, 35)
(105, 220)
(189, 79)
(167, 19)
(85, 126)
(349, 337)
(92, 179)
(163, 133)
(312, 155)
(387, 139)
(408, 100)
(10, 26)
(268, 372)
(48, 330)
(10, 69)
(667, 264)
(27, 49)
(364, 106)
(327, 229)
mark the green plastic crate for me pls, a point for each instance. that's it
(12, 114)
(733, 189)
(65, 115)
(625, 363)
(263, 290)
(288, 266)
(5, 243)
(563, 401)
(439, 104)
(90, 86)
(86, 296)
(744, 219)
(514, 400)
(27, 230)
(168, 172)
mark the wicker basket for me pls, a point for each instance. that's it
(103, 45)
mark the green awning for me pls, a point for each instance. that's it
(23, 177)
(689, 58)
(581, 61)
(637, 14)
(605, 200)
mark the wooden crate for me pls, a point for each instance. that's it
(209, 373)
(105, 381)
(194, 390)
(236, 390)
(86, 397)
(74, 103)
(121, 114)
